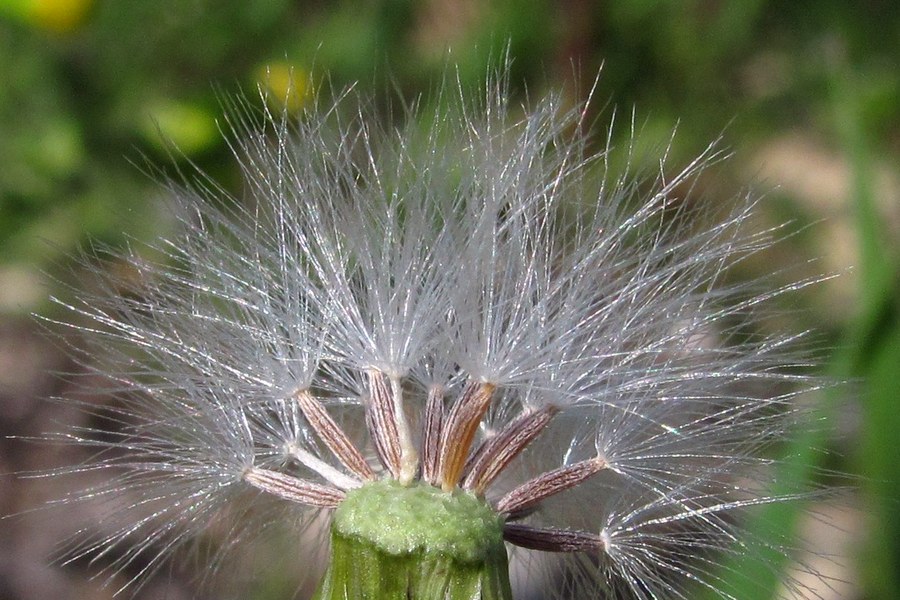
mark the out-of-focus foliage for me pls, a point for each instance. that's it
(807, 92)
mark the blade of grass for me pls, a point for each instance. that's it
(871, 347)
(878, 358)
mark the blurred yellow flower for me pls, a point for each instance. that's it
(287, 84)
(59, 16)
(189, 127)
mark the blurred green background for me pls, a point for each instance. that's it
(806, 92)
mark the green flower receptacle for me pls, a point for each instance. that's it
(390, 542)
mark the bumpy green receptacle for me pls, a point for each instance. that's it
(390, 542)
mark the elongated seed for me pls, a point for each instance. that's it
(553, 482)
(498, 451)
(459, 430)
(294, 489)
(333, 436)
(431, 434)
(548, 539)
(382, 423)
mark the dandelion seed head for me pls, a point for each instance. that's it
(480, 307)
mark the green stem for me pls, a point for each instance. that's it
(390, 542)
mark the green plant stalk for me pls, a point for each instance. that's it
(390, 542)
(877, 339)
